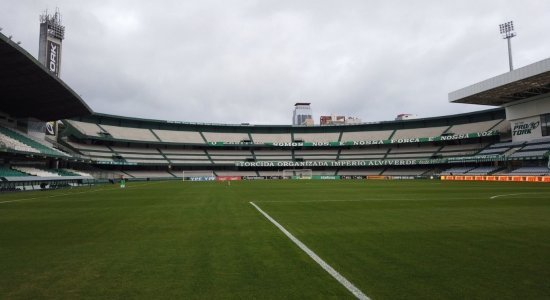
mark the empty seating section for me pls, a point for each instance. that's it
(80, 173)
(366, 135)
(186, 156)
(536, 147)
(419, 155)
(182, 137)
(229, 156)
(230, 152)
(8, 142)
(25, 139)
(316, 154)
(483, 170)
(170, 151)
(146, 161)
(317, 137)
(412, 152)
(541, 140)
(98, 154)
(457, 170)
(213, 137)
(36, 172)
(493, 151)
(531, 171)
(82, 146)
(473, 127)
(418, 132)
(374, 153)
(507, 144)
(88, 129)
(273, 154)
(150, 174)
(129, 133)
(414, 149)
(538, 153)
(465, 147)
(261, 138)
(8, 172)
(460, 150)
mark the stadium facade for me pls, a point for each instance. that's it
(510, 142)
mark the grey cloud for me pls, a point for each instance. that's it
(250, 61)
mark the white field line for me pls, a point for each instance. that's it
(75, 193)
(360, 200)
(505, 195)
(341, 279)
(391, 199)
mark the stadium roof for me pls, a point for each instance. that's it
(28, 89)
(464, 118)
(526, 82)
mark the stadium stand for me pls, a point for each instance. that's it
(129, 133)
(363, 153)
(273, 154)
(261, 138)
(483, 170)
(531, 171)
(213, 137)
(88, 129)
(9, 172)
(419, 132)
(348, 136)
(36, 171)
(14, 144)
(474, 127)
(180, 137)
(317, 137)
(521, 154)
(23, 139)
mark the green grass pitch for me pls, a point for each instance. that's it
(203, 240)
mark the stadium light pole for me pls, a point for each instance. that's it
(507, 31)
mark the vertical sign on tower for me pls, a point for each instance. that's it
(52, 58)
(52, 34)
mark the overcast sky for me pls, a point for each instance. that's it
(250, 61)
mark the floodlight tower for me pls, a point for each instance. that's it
(52, 33)
(507, 31)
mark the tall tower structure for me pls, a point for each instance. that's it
(52, 33)
(507, 31)
(302, 112)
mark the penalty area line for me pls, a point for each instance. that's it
(341, 279)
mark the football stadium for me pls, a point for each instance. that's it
(96, 205)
